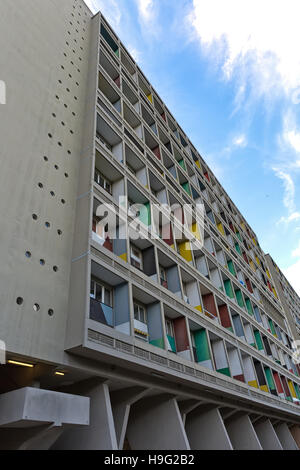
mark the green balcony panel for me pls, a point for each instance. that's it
(239, 298)
(237, 247)
(182, 164)
(231, 267)
(228, 288)
(258, 340)
(186, 187)
(249, 307)
(172, 343)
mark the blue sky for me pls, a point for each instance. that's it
(229, 72)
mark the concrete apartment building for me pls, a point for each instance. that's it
(123, 343)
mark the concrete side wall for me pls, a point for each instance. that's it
(267, 436)
(242, 434)
(206, 431)
(156, 424)
(284, 435)
(46, 86)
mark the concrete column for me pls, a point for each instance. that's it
(206, 430)
(285, 437)
(241, 433)
(267, 435)
(100, 434)
(122, 400)
(155, 424)
(295, 431)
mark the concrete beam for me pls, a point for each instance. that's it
(285, 437)
(186, 406)
(229, 414)
(206, 431)
(34, 406)
(267, 435)
(155, 424)
(100, 435)
(242, 434)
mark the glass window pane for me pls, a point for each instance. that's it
(99, 292)
(107, 297)
(92, 289)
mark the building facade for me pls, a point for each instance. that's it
(124, 342)
(288, 297)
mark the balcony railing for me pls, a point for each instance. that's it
(101, 313)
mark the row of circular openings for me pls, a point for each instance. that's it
(36, 306)
(81, 48)
(42, 261)
(59, 143)
(80, 6)
(52, 193)
(47, 224)
(55, 166)
(62, 123)
(68, 89)
(78, 22)
(75, 40)
(79, 14)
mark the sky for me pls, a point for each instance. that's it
(229, 72)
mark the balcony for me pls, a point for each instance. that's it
(109, 299)
(101, 313)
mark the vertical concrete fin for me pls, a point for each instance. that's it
(156, 423)
(285, 437)
(242, 434)
(100, 435)
(267, 435)
(206, 431)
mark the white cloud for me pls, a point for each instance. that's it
(135, 54)
(258, 39)
(240, 141)
(292, 274)
(146, 9)
(290, 218)
(290, 139)
(289, 189)
(109, 8)
(296, 252)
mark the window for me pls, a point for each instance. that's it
(101, 293)
(163, 277)
(136, 257)
(140, 313)
(169, 327)
(103, 182)
(98, 227)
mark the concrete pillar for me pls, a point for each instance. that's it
(206, 430)
(100, 434)
(285, 437)
(121, 401)
(267, 435)
(295, 431)
(155, 424)
(241, 433)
